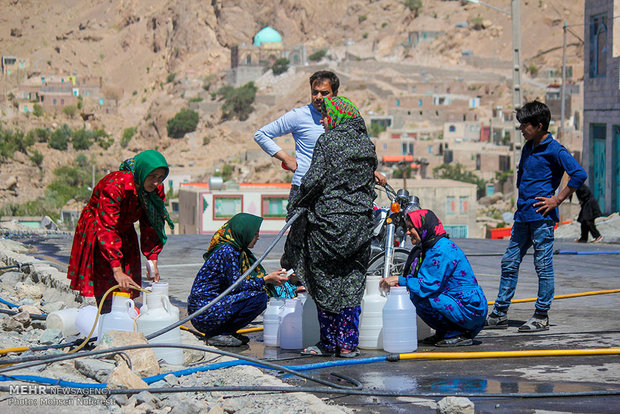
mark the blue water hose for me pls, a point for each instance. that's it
(9, 304)
(189, 371)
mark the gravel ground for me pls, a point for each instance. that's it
(40, 288)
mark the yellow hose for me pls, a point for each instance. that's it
(18, 349)
(105, 295)
(510, 354)
(571, 295)
(257, 329)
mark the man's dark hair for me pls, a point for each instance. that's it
(534, 113)
(326, 75)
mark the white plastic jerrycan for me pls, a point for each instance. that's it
(64, 320)
(121, 318)
(271, 322)
(400, 334)
(86, 319)
(291, 331)
(371, 318)
(309, 321)
(157, 313)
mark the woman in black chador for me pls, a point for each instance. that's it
(588, 213)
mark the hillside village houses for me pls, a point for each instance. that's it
(433, 117)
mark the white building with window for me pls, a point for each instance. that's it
(203, 210)
(601, 102)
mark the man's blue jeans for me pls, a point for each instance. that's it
(540, 235)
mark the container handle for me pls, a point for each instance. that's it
(131, 309)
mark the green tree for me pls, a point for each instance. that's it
(42, 134)
(414, 5)
(238, 101)
(37, 110)
(128, 134)
(37, 158)
(60, 138)
(376, 129)
(318, 55)
(82, 139)
(280, 66)
(183, 122)
(457, 172)
(70, 110)
(170, 77)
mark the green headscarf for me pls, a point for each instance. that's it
(239, 232)
(141, 166)
(339, 109)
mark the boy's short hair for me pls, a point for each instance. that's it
(534, 113)
(328, 75)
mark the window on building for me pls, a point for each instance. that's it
(404, 148)
(430, 149)
(224, 207)
(452, 128)
(274, 206)
(598, 46)
(450, 206)
(457, 232)
(54, 101)
(384, 147)
(463, 205)
(419, 102)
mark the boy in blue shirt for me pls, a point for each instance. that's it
(543, 163)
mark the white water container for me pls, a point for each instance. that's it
(291, 331)
(310, 321)
(64, 320)
(400, 334)
(158, 313)
(271, 322)
(85, 319)
(121, 318)
(371, 318)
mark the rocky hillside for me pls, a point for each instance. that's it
(135, 45)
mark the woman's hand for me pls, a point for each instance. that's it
(277, 278)
(124, 280)
(154, 274)
(387, 282)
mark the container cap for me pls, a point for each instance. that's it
(125, 294)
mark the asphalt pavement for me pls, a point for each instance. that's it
(577, 323)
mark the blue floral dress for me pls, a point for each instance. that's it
(235, 310)
(446, 293)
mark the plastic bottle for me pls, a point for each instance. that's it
(271, 322)
(64, 320)
(157, 313)
(121, 318)
(371, 318)
(310, 321)
(85, 319)
(291, 332)
(400, 333)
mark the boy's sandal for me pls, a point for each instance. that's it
(317, 350)
(535, 325)
(351, 354)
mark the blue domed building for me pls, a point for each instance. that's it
(249, 62)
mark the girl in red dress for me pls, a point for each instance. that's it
(105, 248)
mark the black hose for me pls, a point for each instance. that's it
(35, 360)
(234, 285)
(33, 316)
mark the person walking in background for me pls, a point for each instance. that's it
(227, 258)
(588, 213)
(441, 283)
(329, 245)
(543, 163)
(105, 249)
